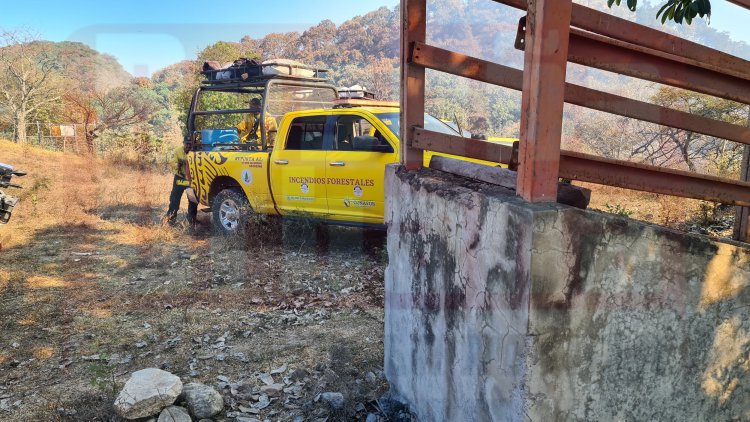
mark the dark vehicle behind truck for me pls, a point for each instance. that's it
(7, 202)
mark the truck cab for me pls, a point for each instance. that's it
(327, 161)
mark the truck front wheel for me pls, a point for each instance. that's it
(230, 211)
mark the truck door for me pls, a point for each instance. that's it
(298, 168)
(356, 169)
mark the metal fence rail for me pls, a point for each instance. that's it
(597, 40)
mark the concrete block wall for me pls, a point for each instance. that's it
(498, 310)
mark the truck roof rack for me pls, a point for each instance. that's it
(355, 91)
(362, 102)
(253, 73)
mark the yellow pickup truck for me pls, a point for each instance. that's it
(326, 161)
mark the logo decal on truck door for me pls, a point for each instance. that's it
(247, 177)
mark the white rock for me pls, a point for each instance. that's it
(335, 400)
(202, 400)
(147, 392)
(174, 414)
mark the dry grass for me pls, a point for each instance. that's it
(86, 268)
(669, 211)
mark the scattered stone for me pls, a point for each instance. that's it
(263, 402)
(371, 417)
(359, 407)
(174, 414)
(92, 357)
(335, 400)
(202, 400)
(371, 378)
(147, 392)
(246, 419)
(273, 390)
(171, 343)
(298, 374)
(267, 379)
(141, 344)
(279, 370)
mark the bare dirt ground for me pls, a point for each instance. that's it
(94, 287)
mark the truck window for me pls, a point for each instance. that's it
(306, 133)
(350, 127)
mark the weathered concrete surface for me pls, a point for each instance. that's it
(500, 310)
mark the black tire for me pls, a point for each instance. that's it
(231, 212)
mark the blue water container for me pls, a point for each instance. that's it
(210, 137)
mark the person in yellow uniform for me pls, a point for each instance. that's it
(180, 183)
(249, 129)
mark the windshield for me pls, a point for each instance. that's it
(393, 121)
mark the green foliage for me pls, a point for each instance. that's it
(103, 376)
(40, 184)
(675, 10)
(618, 210)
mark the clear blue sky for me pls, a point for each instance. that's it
(145, 36)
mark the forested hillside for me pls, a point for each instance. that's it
(364, 50)
(86, 85)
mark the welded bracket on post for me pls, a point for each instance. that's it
(413, 30)
(545, 63)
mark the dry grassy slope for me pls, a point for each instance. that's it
(88, 272)
(677, 213)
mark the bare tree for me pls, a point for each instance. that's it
(116, 109)
(26, 78)
(665, 146)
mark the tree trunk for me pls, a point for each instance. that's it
(19, 135)
(91, 142)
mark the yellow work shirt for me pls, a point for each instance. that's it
(178, 161)
(246, 126)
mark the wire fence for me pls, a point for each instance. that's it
(66, 137)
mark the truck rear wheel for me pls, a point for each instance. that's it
(231, 210)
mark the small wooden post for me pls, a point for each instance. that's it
(413, 29)
(742, 214)
(545, 65)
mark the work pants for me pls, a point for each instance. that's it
(178, 188)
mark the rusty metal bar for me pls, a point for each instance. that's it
(741, 3)
(508, 77)
(603, 53)
(542, 100)
(620, 29)
(593, 169)
(413, 29)
(589, 168)
(465, 147)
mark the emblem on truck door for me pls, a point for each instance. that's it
(305, 189)
(247, 177)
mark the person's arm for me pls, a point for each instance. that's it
(242, 130)
(272, 129)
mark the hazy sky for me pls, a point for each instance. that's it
(146, 36)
